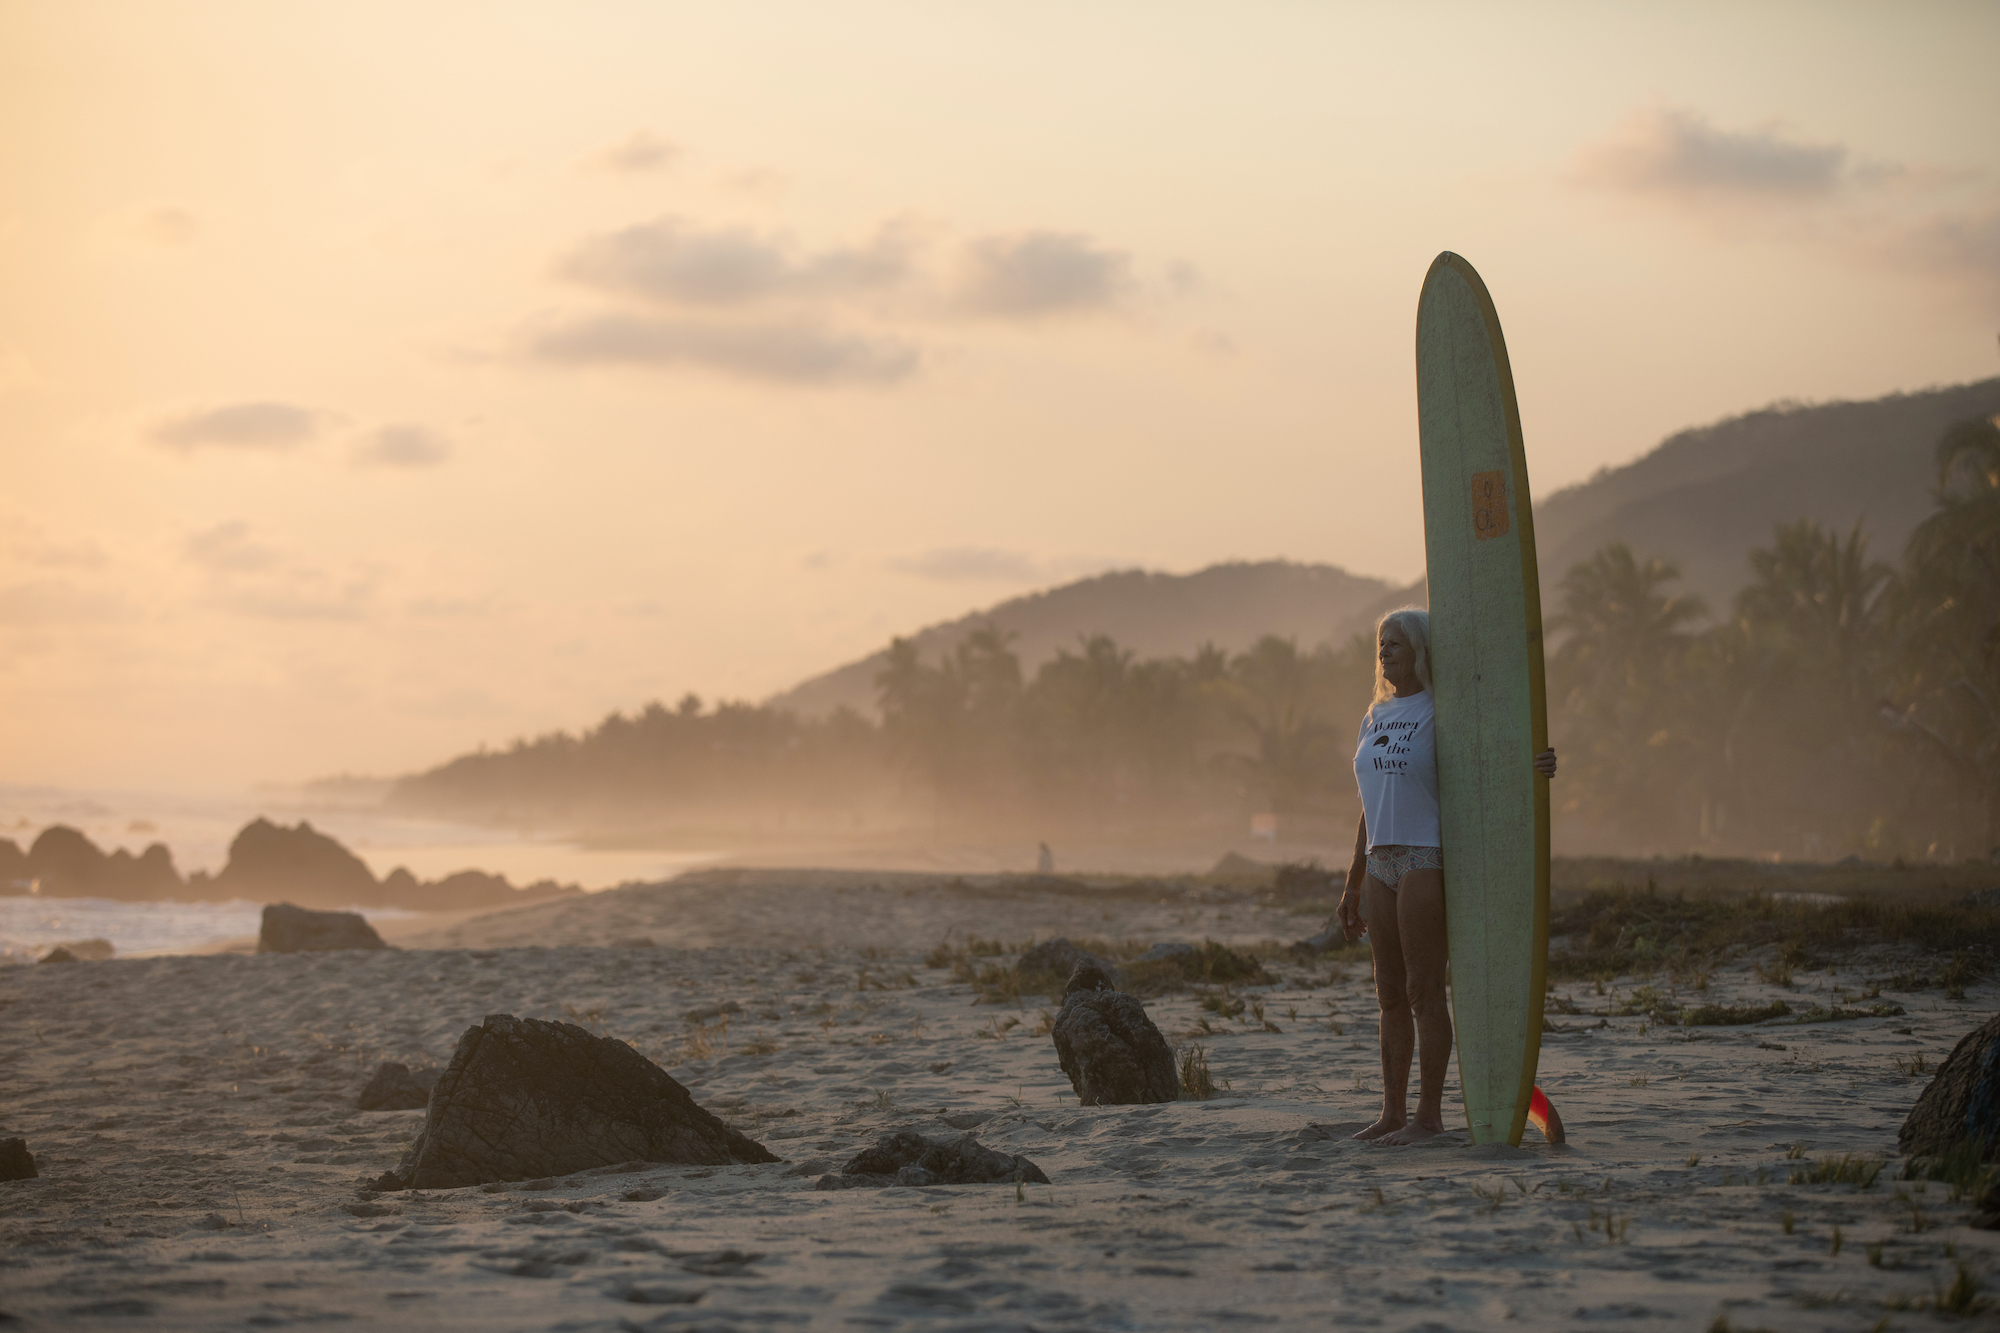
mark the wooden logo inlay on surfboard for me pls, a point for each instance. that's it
(1492, 717)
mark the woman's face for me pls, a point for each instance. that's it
(1399, 660)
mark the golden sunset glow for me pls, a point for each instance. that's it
(381, 380)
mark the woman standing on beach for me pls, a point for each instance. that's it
(1395, 888)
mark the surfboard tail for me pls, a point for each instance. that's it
(1542, 1115)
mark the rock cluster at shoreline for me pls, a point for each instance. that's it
(267, 862)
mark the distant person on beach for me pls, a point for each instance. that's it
(1395, 888)
(1045, 860)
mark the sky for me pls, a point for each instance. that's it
(378, 381)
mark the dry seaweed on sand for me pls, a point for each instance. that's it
(1623, 931)
(1207, 963)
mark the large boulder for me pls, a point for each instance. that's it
(16, 1162)
(289, 929)
(1962, 1102)
(908, 1158)
(1049, 964)
(1112, 1052)
(397, 1087)
(523, 1098)
(269, 861)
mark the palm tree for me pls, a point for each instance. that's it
(1826, 597)
(1949, 615)
(1618, 623)
(1618, 681)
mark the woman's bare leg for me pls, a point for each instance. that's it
(1399, 1033)
(1420, 926)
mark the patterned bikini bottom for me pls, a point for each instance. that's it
(1390, 861)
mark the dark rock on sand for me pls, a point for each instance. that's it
(523, 1098)
(1052, 961)
(1962, 1102)
(908, 1158)
(60, 954)
(397, 1087)
(289, 929)
(16, 1162)
(1112, 1052)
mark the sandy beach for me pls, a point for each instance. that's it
(202, 1158)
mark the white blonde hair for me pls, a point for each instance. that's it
(1415, 623)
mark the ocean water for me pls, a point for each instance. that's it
(198, 828)
(30, 926)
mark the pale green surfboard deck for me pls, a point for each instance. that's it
(1492, 716)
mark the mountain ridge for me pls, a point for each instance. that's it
(1153, 614)
(1704, 498)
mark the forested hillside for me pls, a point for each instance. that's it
(1704, 496)
(1228, 606)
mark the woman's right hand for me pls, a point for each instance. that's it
(1350, 912)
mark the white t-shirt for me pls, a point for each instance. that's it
(1396, 767)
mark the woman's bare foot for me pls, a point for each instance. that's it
(1414, 1132)
(1380, 1128)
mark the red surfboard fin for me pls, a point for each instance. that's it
(1542, 1115)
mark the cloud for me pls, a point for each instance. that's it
(57, 602)
(404, 446)
(305, 596)
(1036, 273)
(1957, 245)
(674, 262)
(450, 608)
(1941, 223)
(968, 564)
(33, 546)
(227, 548)
(1681, 153)
(262, 426)
(251, 578)
(644, 151)
(788, 352)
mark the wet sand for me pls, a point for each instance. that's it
(201, 1155)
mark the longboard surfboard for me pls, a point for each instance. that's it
(1492, 713)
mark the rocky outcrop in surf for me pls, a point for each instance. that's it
(268, 862)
